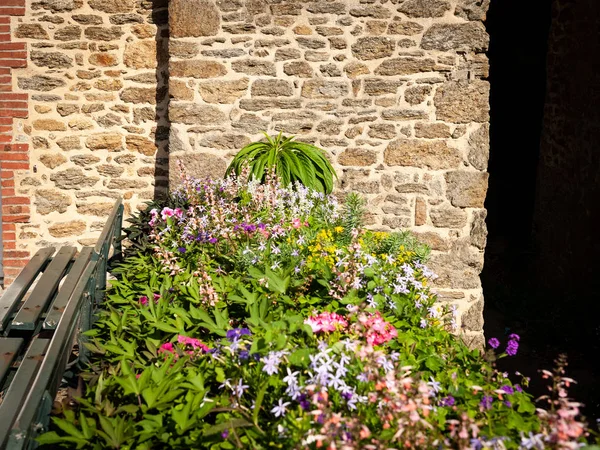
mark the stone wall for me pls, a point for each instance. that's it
(393, 90)
(567, 214)
(97, 128)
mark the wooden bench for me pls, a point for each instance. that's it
(39, 323)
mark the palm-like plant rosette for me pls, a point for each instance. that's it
(291, 160)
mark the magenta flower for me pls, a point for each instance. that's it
(195, 343)
(512, 347)
(167, 347)
(143, 300)
(494, 343)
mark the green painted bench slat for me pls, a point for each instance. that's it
(47, 380)
(20, 386)
(9, 349)
(14, 294)
(35, 305)
(60, 302)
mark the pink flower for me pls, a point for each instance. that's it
(377, 330)
(156, 297)
(195, 343)
(178, 212)
(296, 223)
(167, 347)
(166, 213)
(327, 322)
(143, 300)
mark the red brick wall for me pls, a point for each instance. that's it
(13, 156)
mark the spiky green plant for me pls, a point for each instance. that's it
(292, 161)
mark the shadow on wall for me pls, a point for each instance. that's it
(160, 16)
(541, 270)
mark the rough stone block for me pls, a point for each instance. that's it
(405, 28)
(417, 94)
(140, 55)
(375, 86)
(112, 6)
(367, 48)
(139, 95)
(466, 189)
(254, 67)
(141, 145)
(192, 113)
(223, 91)
(298, 68)
(49, 125)
(434, 155)
(105, 141)
(472, 9)
(357, 157)
(403, 114)
(50, 200)
(463, 102)
(40, 83)
(479, 147)
(405, 65)
(197, 69)
(52, 160)
(432, 130)
(479, 229)
(469, 36)
(31, 31)
(319, 88)
(424, 8)
(193, 18)
(64, 229)
(271, 88)
(73, 178)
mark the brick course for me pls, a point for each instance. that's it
(13, 156)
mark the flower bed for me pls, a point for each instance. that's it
(260, 317)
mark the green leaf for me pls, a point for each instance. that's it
(233, 423)
(260, 395)
(68, 428)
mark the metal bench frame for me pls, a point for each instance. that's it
(49, 330)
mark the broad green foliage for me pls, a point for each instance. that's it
(292, 161)
(255, 319)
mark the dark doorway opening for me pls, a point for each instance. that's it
(533, 241)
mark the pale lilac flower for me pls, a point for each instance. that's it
(532, 441)
(434, 385)
(280, 409)
(239, 388)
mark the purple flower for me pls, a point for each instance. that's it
(181, 250)
(507, 403)
(304, 403)
(225, 434)
(508, 389)
(518, 388)
(512, 347)
(494, 343)
(212, 240)
(244, 355)
(514, 337)
(447, 401)
(236, 333)
(486, 402)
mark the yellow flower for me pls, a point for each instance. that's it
(339, 229)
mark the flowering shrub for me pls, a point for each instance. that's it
(257, 319)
